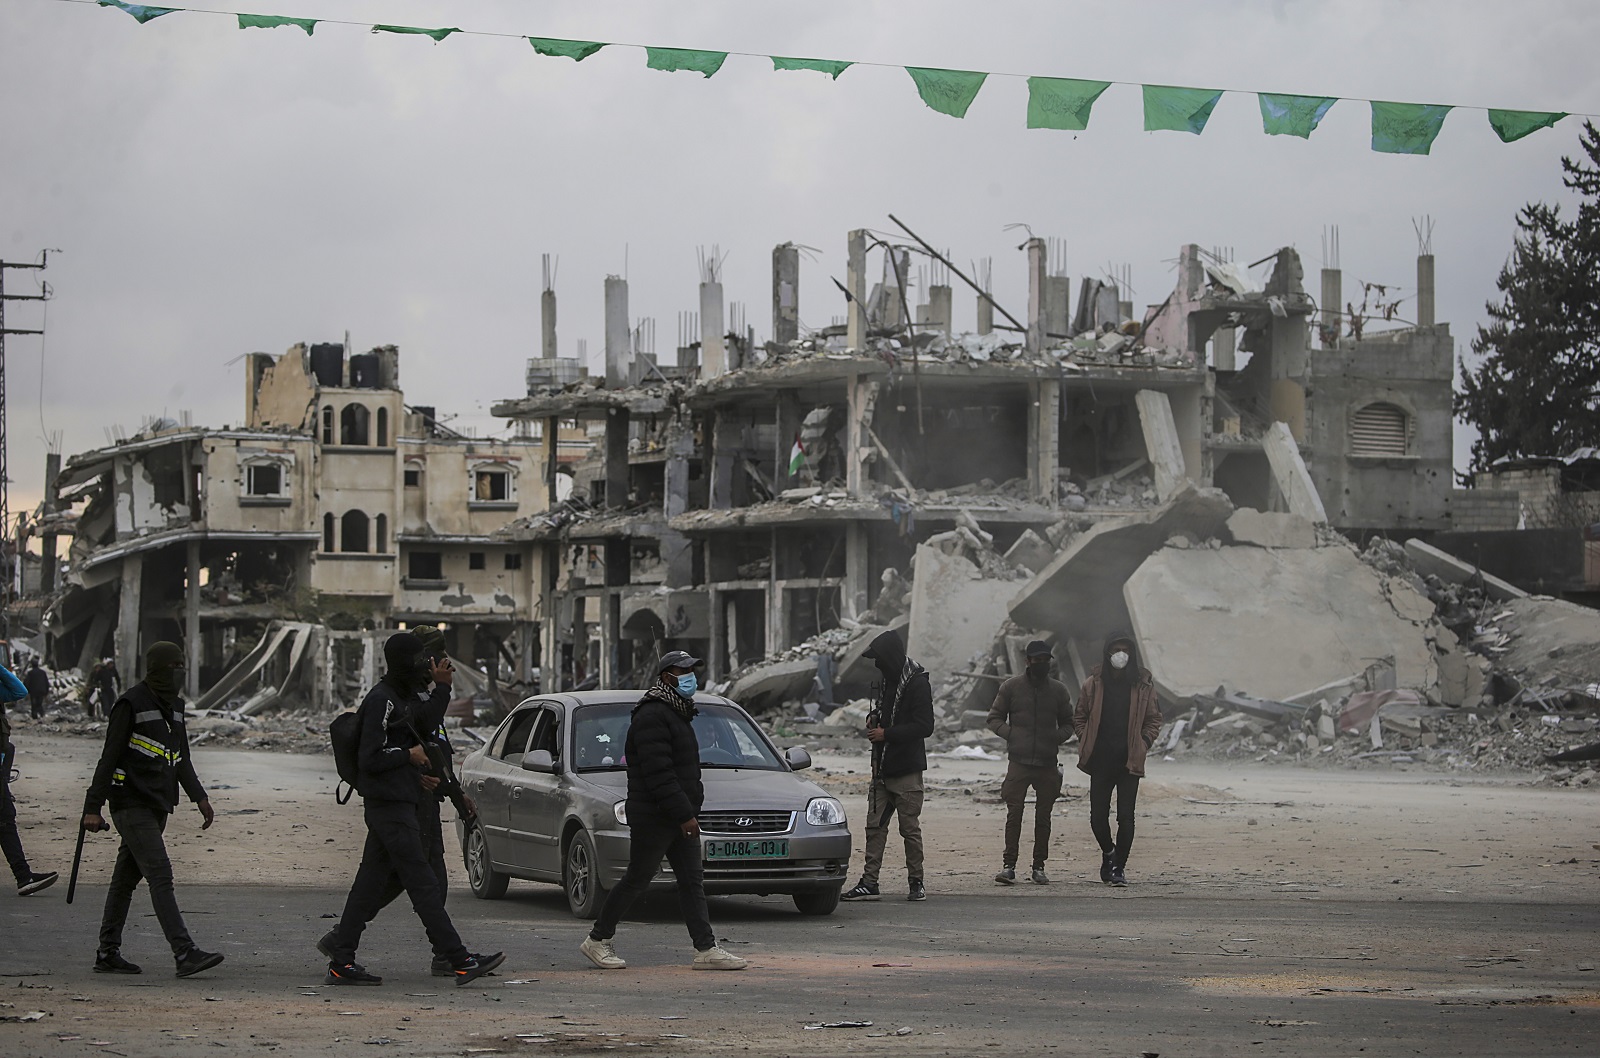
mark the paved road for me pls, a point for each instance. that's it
(1073, 968)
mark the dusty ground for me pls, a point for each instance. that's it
(1303, 911)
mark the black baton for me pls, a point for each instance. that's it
(77, 861)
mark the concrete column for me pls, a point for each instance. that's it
(1333, 305)
(192, 641)
(785, 293)
(47, 566)
(1044, 439)
(1425, 312)
(129, 663)
(719, 639)
(1161, 442)
(1036, 266)
(862, 397)
(552, 452)
(786, 417)
(547, 325)
(676, 550)
(619, 344)
(1289, 471)
(777, 602)
(985, 315)
(856, 283)
(856, 592)
(1057, 305)
(713, 324)
(611, 638)
(1223, 346)
(617, 424)
(546, 557)
(94, 642)
(725, 436)
(941, 313)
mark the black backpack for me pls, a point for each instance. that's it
(345, 734)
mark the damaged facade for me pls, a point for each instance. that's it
(337, 504)
(746, 499)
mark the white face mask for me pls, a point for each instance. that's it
(1119, 660)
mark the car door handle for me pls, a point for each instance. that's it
(480, 785)
(516, 792)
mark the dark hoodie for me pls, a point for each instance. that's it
(1117, 716)
(904, 708)
(388, 717)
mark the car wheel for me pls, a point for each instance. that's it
(580, 877)
(487, 883)
(819, 902)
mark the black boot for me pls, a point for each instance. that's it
(1108, 864)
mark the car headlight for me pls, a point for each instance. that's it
(621, 811)
(824, 812)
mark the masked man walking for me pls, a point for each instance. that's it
(1117, 721)
(897, 726)
(1033, 713)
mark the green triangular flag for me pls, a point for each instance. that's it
(436, 34)
(947, 91)
(274, 21)
(1512, 125)
(1061, 102)
(576, 50)
(142, 13)
(832, 67)
(1283, 115)
(797, 458)
(1406, 128)
(669, 59)
(1178, 109)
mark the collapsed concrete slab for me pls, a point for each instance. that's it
(771, 684)
(1271, 529)
(1031, 551)
(1554, 644)
(1430, 561)
(955, 611)
(1161, 441)
(1289, 471)
(1272, 623)
(1079, 593)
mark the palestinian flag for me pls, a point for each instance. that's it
(797, 458)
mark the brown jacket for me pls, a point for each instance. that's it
(1144, 719)
(1034, 721)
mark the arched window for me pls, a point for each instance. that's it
(327, 424)
(353, 531)
(327, 532)
(383, 428)
(380, 526)
(1380, 429)
(354, 422)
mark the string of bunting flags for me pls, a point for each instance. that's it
(1053, 102)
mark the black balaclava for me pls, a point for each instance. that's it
(162, 663)
(1132, 668)
(407, 662)
(1038, 670)
(888, 652)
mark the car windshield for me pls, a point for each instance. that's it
(728, 739)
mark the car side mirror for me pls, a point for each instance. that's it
(798, 757)
(538, 760)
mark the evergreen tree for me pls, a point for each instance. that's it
(1536, 390)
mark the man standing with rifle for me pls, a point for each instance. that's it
(438, 783)
(145, 760)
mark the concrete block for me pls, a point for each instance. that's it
(974, 720)
(1272, 623)
(1161, 441)
(955, 612)
(1271, 529)
(1427, 559)
(1289, 470)
(1031, 551)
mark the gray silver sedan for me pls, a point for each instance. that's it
(551, 788)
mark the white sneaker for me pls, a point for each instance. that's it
(714, 958)
(602, 954)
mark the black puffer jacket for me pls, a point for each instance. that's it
(388, 731)
(904, 709)
(663, 762)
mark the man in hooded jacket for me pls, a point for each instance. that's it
(144, 762)
(391, 766)
(1033, 713)
(1117, 721)
(897, 726)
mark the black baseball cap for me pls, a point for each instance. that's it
(677, 659)
(1039, 649)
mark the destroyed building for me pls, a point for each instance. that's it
(749, 497)
(336, 505)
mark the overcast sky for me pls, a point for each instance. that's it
(216, 191)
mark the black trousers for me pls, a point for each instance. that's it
(394, 850)
(1101, 786)
(10, 842)
(143, 855)
(432, 830)
(36, 704)
(648, 842)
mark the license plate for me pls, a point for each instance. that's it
(748, 849)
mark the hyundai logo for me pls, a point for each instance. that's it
(744, 821)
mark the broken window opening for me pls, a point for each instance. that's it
(354, 423)
(383, 428)
(381, 533)
(513, 560)
(491, 486)
(413, 478)
(327, 532)
(476, 560)
(425, 565)
(264, 479)
(327, 424)
(353, 531)
(1380, 430)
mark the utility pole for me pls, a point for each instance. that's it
(14, 563)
